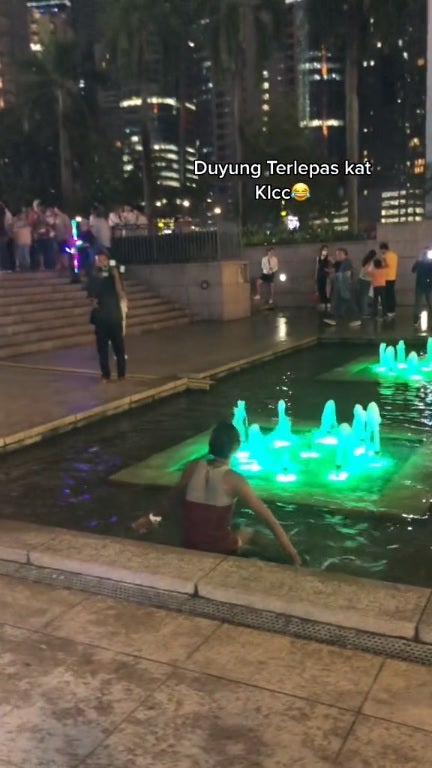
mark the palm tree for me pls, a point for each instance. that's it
(132, 29)
(343, 25)
(235, 27)
(50, 86)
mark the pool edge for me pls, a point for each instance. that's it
(180, 383)
(150, 574)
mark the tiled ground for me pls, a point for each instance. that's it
(52, 386)
(49, 386)
(90, 682)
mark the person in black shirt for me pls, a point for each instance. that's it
(423, 285)
(322, 271)
(106, 289)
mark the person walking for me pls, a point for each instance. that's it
(391, 263)
(106, 289)
(422, 269)
(269, 269)
(343, 304)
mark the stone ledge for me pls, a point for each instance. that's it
(17, 539)
(392, 610)
(354, 603)
(133, 562)
(36, 434)
(425, 625)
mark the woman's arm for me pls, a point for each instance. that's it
(242, 489)
(172, 497)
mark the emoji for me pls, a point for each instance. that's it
(300, 192)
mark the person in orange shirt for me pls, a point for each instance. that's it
(390, 260)
(377, 271)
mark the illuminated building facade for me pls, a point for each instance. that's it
(321, 102)
(13, 42)
(46, 18)
(172, 130)
(393, 124)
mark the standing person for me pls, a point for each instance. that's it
(322, 271)
(365, 282)
(422, 269)
(101, 229)
(63, 234)
(343, 304)
(377, 272)
(22, 238)
(106, 289)
(43, 236)
(209, 490)
(391, 261)
(5, 227)
(269, 268)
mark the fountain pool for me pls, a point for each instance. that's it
(339, 466)
(71, 487)
(392, 363)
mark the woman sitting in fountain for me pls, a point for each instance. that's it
(209, 490)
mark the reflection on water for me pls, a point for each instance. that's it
(70, 488)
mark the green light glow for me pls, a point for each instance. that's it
(297, 462)
(396, 482)
(393, 366)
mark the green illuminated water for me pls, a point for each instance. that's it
(64, 481)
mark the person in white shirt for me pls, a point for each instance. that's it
(269, 268)
(114, 219)
(100, 228)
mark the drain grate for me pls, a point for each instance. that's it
(380, 645)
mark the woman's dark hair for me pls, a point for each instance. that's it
(324, 247)
(368, 258)
(223, 440)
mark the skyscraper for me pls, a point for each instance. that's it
(393, 122)
(260, 93)
(46, 18)
(171, 126)
(428, 202)
(13, 46)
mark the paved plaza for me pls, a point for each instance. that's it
(93, 682)
(89, 681)
(59, 390)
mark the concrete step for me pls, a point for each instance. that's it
(51, 311)
(39, 289)
(13, 335)
(46, 345)
(45, 312)
(59, 300)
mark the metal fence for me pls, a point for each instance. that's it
(132, 246)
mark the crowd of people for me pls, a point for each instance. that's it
(373, 293)
(37, 237)
(34, 238)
